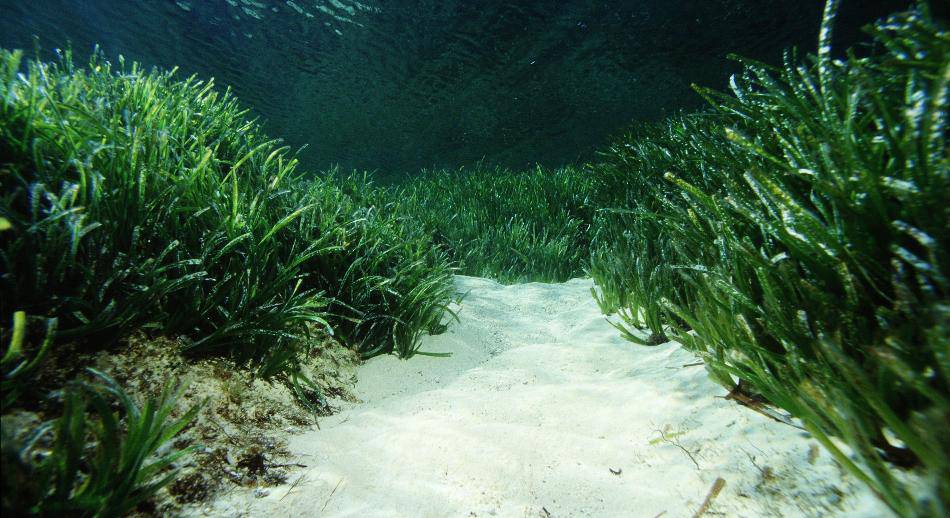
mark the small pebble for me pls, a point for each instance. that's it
(261, 492)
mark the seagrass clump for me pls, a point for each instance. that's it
(795, 237)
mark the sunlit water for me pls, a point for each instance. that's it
(400, 85)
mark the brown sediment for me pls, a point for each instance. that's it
(241, 431)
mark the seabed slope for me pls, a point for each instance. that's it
(543, 410)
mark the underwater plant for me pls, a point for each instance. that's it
(512, 226)
(795, 238)
(389, 284)
(131, 201)
(93, 461)
(138, 200)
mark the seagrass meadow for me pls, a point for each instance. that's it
(789, 229)
(133, 200)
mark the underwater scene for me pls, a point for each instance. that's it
(416, 258)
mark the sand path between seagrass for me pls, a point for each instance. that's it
(543, 410)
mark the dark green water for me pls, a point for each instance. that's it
(399, 85)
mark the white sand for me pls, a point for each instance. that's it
(534, 414)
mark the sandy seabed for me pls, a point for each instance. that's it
(543, 410)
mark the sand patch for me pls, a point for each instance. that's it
(543, 410)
